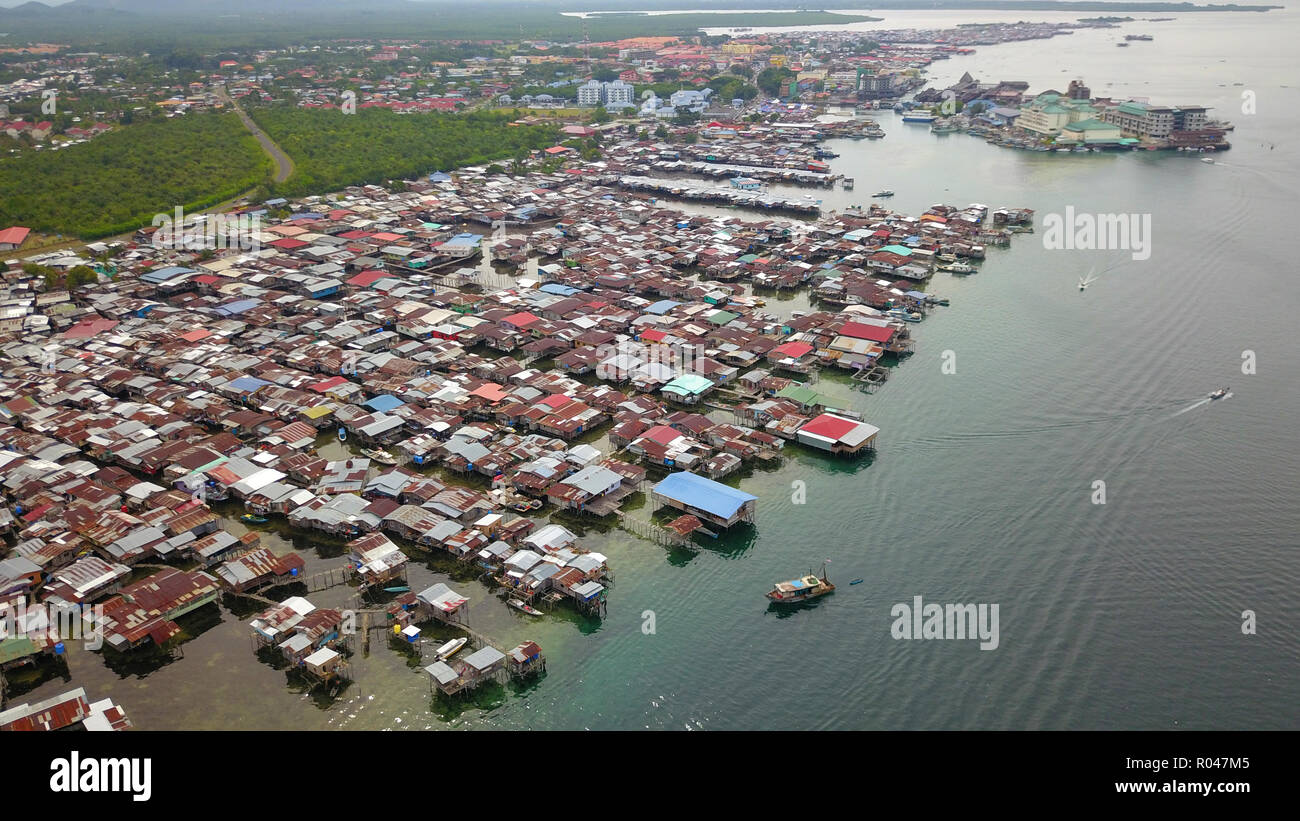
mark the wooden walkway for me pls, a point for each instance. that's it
(326, 579)
(650, 531)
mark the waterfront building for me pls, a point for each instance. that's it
(837, 434)
(706, 499)
(69, 710)
(1091, 131)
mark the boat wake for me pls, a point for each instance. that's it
(1199, 403)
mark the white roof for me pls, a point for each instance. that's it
(321, 656)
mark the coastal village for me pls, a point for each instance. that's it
(469, 368)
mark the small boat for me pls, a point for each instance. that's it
(397, 590)
(959, 268)
(856, 581)
(525, 608)
(1208, 160)
(383, 457)
(253, 518)
(1219, 394)
(343, 434)
(801, 589)
(449, 649)
(885, 193)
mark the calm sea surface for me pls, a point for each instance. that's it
(1123, 615)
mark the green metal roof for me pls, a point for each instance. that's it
(1091, 124)
(16, 647)
(688, 384)
(722, 317)
(803, 395)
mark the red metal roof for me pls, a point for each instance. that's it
(874, 333)
(832, 427)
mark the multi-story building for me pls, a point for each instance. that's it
(591, 93)
(1141, 120)
(614, 94)
(619, 93)
(1045, 115)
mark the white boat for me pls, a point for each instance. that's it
(885, 193)
(1219, 394)
(1209, 160)
(959, 268)
(525, 608)
(383, 457)
(450, 648)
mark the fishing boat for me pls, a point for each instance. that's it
(884, 193)
(1219, 394)
(801, 589)
(450, 649)
(253, 518)
(383, 457)
(525, 608)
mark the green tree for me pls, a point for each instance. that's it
(772, 78)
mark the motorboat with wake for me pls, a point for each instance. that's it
(1219, 394)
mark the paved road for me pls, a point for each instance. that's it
(284, 165)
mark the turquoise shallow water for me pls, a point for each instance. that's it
(1123, 615)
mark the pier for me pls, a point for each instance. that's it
(720, 196)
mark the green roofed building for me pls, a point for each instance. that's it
(687, 388)
(806, 398)
(722, 317)
(1090, 131)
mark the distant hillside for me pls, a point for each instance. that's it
(142, 24)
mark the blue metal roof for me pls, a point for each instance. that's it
(384, 402)
(238, 307)
(705, 494)
(663, 306)
(558, 289)
(163, 274)
(248, 383)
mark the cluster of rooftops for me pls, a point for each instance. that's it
(182, 381)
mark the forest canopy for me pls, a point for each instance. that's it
(120, 180)
(332, 150)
